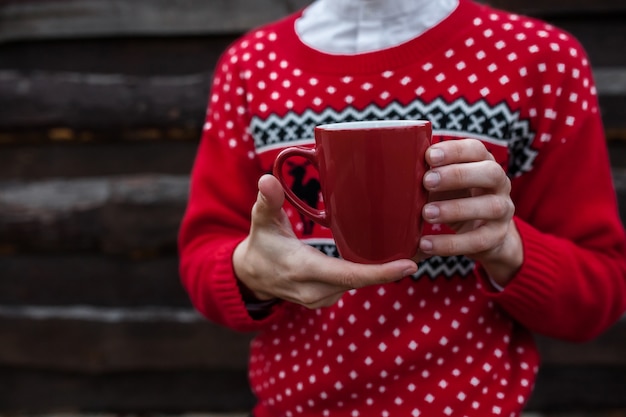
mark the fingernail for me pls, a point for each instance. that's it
(409, 271)
(431, 211)
(436, 155)
(426, 245)
(431, 179)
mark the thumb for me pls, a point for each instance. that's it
(270, 198)
(348, 275)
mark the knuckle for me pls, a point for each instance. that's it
(489, 238)
(452, 210)
(500, 207)
(349, 280)
(476, 144)
(476, 148)
(482, 242)
(308, 298)
(497, 176)
(289, 275)
(450, 247)
(495, 171)
(510, 208)
(507, 184)
(504, 181)
(459, 175)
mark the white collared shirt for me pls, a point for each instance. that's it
(356, 26)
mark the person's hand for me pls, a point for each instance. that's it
(470, 193)
(272, 263)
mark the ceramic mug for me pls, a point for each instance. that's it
(371, 183)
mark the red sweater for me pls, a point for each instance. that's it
(442, 342)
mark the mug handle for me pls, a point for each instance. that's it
(318, 216)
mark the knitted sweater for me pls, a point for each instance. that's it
(442, 342)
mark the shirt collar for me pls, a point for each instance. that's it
(364, 10)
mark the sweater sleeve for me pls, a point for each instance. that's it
(222, 192)
(572, 284)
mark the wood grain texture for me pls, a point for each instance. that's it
(120, 341)
(135, 56)
(75, 101)
(572, 389)
(135, 215)
(184, 391)
(92, 280)
(21, 20)
(98, 158)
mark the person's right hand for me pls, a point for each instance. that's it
(273, 263)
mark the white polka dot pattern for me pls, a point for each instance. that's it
(431, 349)
(428, 347)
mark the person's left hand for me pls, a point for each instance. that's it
(470, 193)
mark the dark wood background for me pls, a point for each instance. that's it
(101, 107)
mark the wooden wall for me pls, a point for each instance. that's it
(101, 106)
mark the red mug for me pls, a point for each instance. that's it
(371, 183)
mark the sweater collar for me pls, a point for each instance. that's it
(408, 53)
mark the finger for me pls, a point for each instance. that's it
(271, 192)
(313, 294)
(483, 174)
(347, 275)
(470, 243)
(270, 200)
(484, 207)
(314, 279)
(457, 151)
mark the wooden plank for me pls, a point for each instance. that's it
(617, 150)
(612, 84)
(606, 350)
(104, 18)
(611, 81)
(95, 281)
(552, 7)
(613, 109)
(144, 56)
(95, 159)
(619, 180)
(134, 215)
(42, 135)
(92, 341)
(570, 389)
(75, 101)
(75, 107)
(33, 391)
